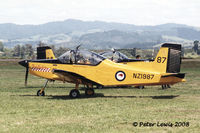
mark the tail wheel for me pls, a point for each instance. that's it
(89, 92)
(99, 86)
(40, 94)
(140, 87)
(74, 93)
(165, 86)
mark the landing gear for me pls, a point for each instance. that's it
(140, 87)
(99, 86)
(166, 86)
(74, 93)
(89, 92)
(41, 92)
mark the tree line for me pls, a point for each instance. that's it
(27, 51)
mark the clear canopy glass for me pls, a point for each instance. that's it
(114, 56)
(81, 57)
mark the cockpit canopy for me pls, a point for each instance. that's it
(114, 56)
(81, 57)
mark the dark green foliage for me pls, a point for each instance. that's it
(60, 51)
(196, 46)
(41, 44)
(16, 50)
(23, 51)
(133, 52)
(182, 51)
(28, 50)
(1, 47)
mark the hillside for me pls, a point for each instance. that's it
(97, 34)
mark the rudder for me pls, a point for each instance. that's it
(45, 52)
(168, 59)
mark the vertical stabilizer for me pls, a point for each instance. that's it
(168, 59)
(45, 53)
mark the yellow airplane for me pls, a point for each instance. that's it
(89, 68)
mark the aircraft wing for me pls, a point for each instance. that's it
(73, 77)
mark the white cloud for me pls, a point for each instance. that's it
(139, 12)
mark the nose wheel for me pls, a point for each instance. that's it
(39, 93)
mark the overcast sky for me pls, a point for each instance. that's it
(138, 12)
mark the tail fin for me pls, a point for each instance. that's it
(168, 59)
(45, 53)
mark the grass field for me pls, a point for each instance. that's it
(109, 111)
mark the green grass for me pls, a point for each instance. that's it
(109, 111)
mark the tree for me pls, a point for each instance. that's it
(28, 50)
(53, 48)
(60, 51)
(22, 51)
(196, 46)
(182, 52)
(133, 52)
(16, 51)
(1, 47)
(41, 44)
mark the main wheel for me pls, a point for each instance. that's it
(40, 94)
(89, 92)
(164, 87)
(168, 86)
(74, 93)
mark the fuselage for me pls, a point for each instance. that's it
(106, 73)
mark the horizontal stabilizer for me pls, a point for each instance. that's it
(178, 75)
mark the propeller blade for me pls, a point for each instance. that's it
(26, 76)
(25, 63)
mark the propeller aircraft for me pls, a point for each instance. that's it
(92, 69)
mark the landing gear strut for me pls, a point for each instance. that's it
(75, 92)
(41, 92)
(89, 91)
(165, 86)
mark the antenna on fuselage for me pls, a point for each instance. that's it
(78, 47)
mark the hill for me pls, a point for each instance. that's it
(97, 34)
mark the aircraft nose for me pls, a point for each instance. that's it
(24, 63)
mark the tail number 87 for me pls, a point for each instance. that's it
(161, 59)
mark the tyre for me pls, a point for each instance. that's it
(40, 94)
(99, 86)
(74, 93)
(89, 92)
(141, 87)
(164, 87)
